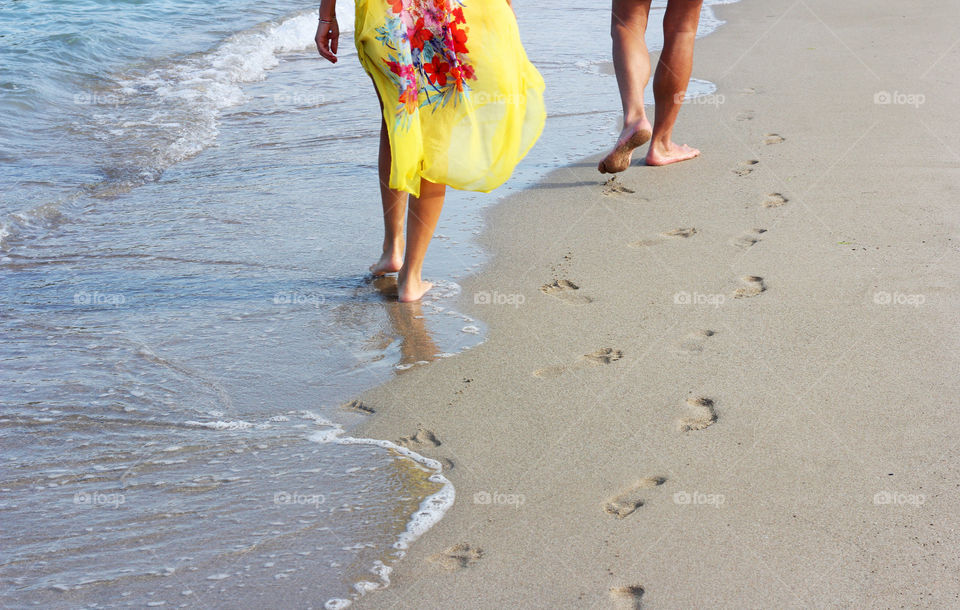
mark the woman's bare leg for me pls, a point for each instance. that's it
(631, 62)
(421, 222)
(394, 209)
(671, 79)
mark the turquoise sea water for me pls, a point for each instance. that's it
(188, 207)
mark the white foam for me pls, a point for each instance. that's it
(172, 111)
(221, 425)
(429, 513)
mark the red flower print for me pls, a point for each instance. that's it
(394, 67)
(420, 35)
(437, 71)
(428, 62)
(459, 40)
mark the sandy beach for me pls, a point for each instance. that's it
(730, 382)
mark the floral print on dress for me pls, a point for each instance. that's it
(427, 53)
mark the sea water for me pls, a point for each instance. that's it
(188, 204)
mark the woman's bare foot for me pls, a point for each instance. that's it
(411, 289)
(630, 138)
(670, 153)
(389, 262)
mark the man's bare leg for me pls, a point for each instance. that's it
(670, 81)
(631, 62)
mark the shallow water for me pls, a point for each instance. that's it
(189, 206)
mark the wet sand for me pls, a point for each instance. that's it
(730, 382)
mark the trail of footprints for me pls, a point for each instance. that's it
(696, 413)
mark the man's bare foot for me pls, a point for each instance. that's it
(388, 263)
(671, 153)
(409, 289)
(630, 138)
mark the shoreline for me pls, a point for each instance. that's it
(671, 431)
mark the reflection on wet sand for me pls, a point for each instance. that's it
(407, 319)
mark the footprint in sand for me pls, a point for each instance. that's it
(773, 138)
(627, 597)
(748, 238)
(422, 439)
(630, 498)
(693, 342)
(357, 406)
(746, 167)
(774, 200)
(606, 355)
(615, 187)
(682, 232)
(457, 557)
(704, 415)
(745, 115)
(566, 291)
(752, 286)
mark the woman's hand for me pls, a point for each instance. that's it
(327, 38)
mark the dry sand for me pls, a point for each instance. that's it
(732, 382)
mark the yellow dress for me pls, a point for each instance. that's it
(461, 101)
